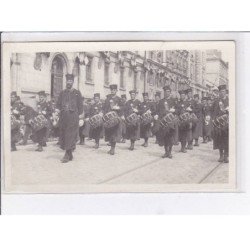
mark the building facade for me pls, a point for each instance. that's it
(144, 71)
(216, 69)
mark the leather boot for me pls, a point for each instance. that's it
(132, 145)
(70, 155)
(221, 159)
(169, 152)
(65, 158)
(39, 148)
(196, 144)
(166, 152)
(96, 144)
(226, 157)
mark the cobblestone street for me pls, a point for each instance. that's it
(141, 166)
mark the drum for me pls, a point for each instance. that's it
(132, 119)
(185, 117)
(146, 118)
(95, 121)
(55, 120)
(194, 118)
(221, 122)
(15, 123)
(38, 123)
(168, 121)
(110, 120)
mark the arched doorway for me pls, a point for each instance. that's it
(57, 75)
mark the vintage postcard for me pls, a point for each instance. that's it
(83, 117)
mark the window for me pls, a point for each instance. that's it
(122, 78)
(106, 73)
(89, 70)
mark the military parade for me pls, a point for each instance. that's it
(186, 122)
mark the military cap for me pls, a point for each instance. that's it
(158, 94)
(215, 89)
(204, 98)
(113, 86)
(182, 92)
(196, 95)
(123, 96)
(222, 87)
(144, 94)
(166, 88)
(13, 93)
(188, 90)
(69, 77)
(132, 92)
(208, 98)
(97, 95)
(42, 93)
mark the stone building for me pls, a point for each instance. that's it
(216, 69)
(144, 71)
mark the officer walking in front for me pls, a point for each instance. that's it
(70, 106)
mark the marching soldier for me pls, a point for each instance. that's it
(132, 107)
(96, 109)
(113, 103)
(156, 103)
(84, 126)
(123, 124)
(15, 121)
(220, 140)
(45, 109)
(165, 135)
(197, 126)
(70, 106)
(146, 108)
(207, 122)
(190, 103)
(182, 107)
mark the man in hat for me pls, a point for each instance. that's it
(156, 103)
(197, 125)
(207, 119)
(84, 126)
(221, 137)
(96, 109)
(132, 106)
(145, 129)
(113, 103)
(15, 120)
(123, 124)
(190, 103)
(70, 106)
(165, 136)
(182, 107)
(45, 109)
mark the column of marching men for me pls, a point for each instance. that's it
(172, 121)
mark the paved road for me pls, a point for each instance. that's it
(141, 166)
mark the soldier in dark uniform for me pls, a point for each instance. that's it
(70, 105)
(123, 124)
(181, 107)
(197, 127)
(45, 109)
(220, 139)
(84, 126)
(207, 120)
(165, 136)
(113, 103)
(16, 112)
(145, 130)
(132, 106)
(190, 104)
(156, 103)
(96, 108)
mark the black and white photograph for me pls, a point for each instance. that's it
(118, 117)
